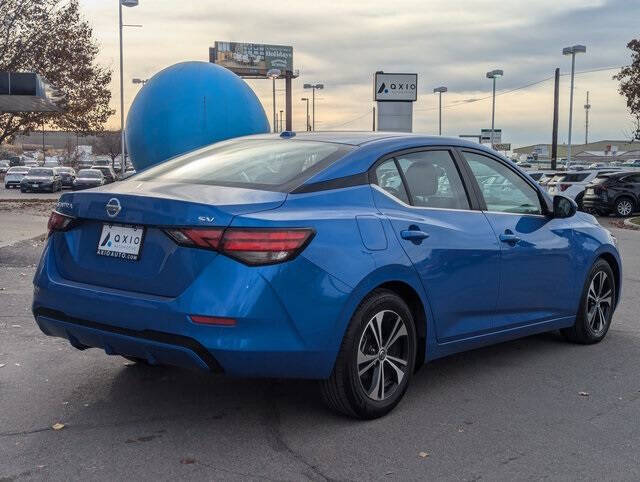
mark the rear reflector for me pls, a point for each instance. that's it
(253, 246)
(59, 222)
(212, 320)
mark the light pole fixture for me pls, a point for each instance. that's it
(313, 88)
(139, 81)
(493, 75)
(121, 3)
(576, 49)
(439, 91)
(307, 101)
(273, 74)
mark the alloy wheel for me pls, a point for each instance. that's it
(383, 355)
(624, 207)
(599, 302)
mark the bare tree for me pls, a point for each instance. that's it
(107, 143)
(50, 38)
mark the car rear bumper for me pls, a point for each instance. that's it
(274, 335)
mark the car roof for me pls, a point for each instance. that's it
(369, 147)
(360, 138)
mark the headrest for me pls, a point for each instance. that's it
(422, 177)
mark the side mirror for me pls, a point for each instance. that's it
(563, 207)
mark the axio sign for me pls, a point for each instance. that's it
(395, 87)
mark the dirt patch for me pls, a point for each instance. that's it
(37, 207)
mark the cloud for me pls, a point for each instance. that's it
(449, 43)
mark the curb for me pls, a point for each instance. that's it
(39, 237)
(629, 224)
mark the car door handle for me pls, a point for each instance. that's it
(509, 238)
(414, 234)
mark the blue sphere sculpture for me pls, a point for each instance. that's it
(187, 106)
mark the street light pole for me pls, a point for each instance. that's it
(307, 118)
(572, 51)
(273, 74)
(313, 88)
(440, 90)
(493, 75)
(126, 3)
(280, 120)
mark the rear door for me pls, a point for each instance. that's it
(451, 244)
(536, 275)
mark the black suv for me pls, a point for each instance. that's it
(617, 193)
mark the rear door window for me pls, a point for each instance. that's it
(388, 178)
(433, 180)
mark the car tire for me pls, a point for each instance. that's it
(370, 378)
(596, 306)
(624, 207)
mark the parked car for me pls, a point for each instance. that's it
(546, 178)
(573, 184)
(14, 175)
(15, 161)
(67, 175)
(617, 193)
(30, 162)
(631, 163)
(524, 164)
(4, 166)
(41, 179)
(87, 178)
(351, 258)
(536, 175)
(108, 173)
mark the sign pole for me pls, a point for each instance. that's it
(287, 81)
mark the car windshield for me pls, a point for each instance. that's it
(41, 172)
(263, 163)
(89, 173)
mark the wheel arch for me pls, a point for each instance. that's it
(612, 261)
(402, 280)
(417, 308)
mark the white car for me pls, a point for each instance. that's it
(14, 175)
(573, 183)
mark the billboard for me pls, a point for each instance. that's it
(395, 87)
(252, 60)
(485, 136)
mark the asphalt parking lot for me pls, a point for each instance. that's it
(530, 409)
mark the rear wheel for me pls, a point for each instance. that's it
(376, 359)
(624, 207)
(596, 306)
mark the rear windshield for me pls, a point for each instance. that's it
(89, 173)
(575, 177)
(258, 163)
(18, 170)
(41, 172)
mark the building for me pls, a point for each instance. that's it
(599, 151)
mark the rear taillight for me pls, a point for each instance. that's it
(252, 246)
(59, 222)
(564, 187)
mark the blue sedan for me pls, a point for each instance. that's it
(351, 258)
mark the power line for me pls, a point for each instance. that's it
(471, 101)
(525, 86)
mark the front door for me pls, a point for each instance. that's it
(537, 281)
(452, 247)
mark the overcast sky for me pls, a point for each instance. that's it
(452, 43)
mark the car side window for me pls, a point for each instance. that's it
(388, 178)
(433, 180)
(503, 190)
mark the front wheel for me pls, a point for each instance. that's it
(376, 359)
(596, 306)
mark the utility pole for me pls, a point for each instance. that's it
(587, 106)
(554, 132)
(281, 120)
(374, 119)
